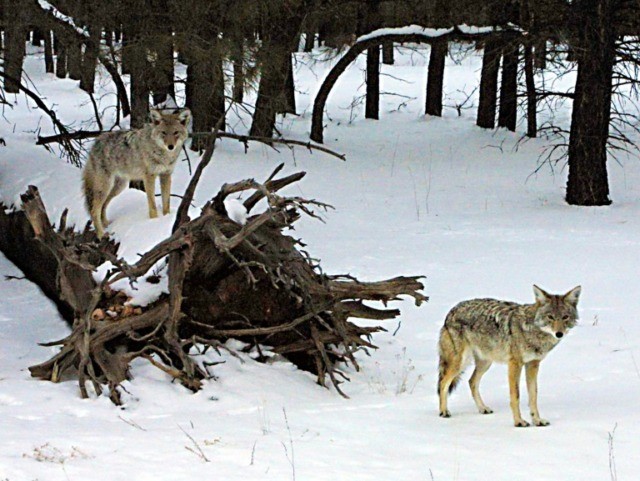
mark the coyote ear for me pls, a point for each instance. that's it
(573, 295)
(156, 117)
(184, 116)
(541, 296)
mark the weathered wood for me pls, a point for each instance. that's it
(226, 280)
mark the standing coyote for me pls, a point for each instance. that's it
(141, 154)
(500, 331)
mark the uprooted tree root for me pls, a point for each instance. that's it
(249, 282)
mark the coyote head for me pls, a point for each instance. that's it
(170, 130)
(556, 314)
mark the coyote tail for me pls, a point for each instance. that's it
(88, 193)
(445, 347)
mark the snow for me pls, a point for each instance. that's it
(432, 196)
(407, 30)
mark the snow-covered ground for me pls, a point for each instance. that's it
(431, 196)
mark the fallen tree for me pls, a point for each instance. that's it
(249, 282)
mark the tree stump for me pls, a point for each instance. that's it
(250, 282)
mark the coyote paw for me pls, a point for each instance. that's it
(445, 414)
(486, 410)
(541, 422)
(521, 424)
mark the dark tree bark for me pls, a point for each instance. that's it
(387, 53)
(309, 41)
(532, 104)
(279, 37)
(289, 106)
(435, 77)
(61, 61)
(90, 58)
(74, 59)
(37, 37)
(139, 87)
(205, 80)
(48, 52)
(507, 114)
(14, 51)
(588, 183)
(238, 76)
(489, 84)
(372, 105)
(162, 74)
(541, 53)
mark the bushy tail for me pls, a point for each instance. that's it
(446, 348)
(88, 193)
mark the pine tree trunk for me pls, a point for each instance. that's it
(48, 52)
(139, 88)
(309, 41)
(532, 108)
(163, 84)
(435, 77)
(489, 84)
(90, 58)
(372, 106)
(588, 183)
(541, 53)
(15, 48)
(74, 59)
(61, 61)
(387, 53)
(205, 81)
(507, 115)
(289, 106)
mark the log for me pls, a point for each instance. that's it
(248, 282)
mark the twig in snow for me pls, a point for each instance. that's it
(198, 450)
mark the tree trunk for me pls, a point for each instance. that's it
(507, 115)
(15, 48)
(435, 77)
(532, 104)
(61, 61)
(289, 106)
(372, 106)
(541, 53)
(162, 75)
(309, 41)
(489, 84)
(37, 37)
(205, 81)
(74, 59)
(238, 76)
(139, 88)
(387, 53)
(588, 183)
(90, 58)
(48, 52)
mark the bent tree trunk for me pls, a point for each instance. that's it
(588, 183)
(249, 282)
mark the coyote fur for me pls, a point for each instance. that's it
(498, 331)
(140, 154)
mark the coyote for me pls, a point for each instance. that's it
(517, 334)
(141, 154)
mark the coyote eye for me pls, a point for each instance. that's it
(164, 133)
(176, 133)
(565, 317)
(549, 317)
